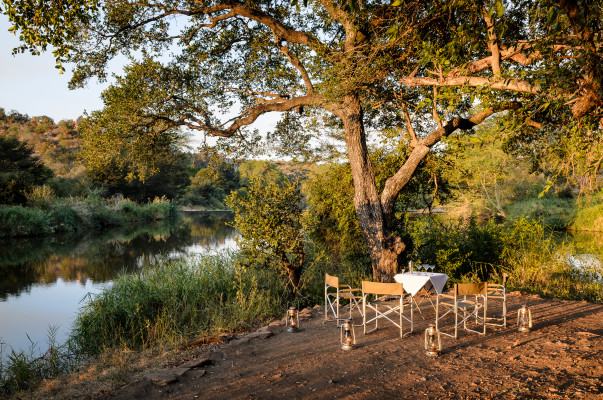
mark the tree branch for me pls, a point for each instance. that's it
(394, 185)
(474, 81)
(250, 116)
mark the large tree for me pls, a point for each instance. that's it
(421, 65)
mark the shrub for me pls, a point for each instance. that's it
(65, 219)
(457, 247)
(101, 217)
(20, 221)
(160, 208)
(552, 212)
(589, 219)
(41, 196)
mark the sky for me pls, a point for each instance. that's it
(31, 85)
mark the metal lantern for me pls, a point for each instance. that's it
(524, 319)
(347, 336)
(292, 320)
(433, 341)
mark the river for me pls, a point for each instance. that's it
(43, 280)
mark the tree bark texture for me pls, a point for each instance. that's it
(384, 247)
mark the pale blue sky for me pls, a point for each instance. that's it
(31, 85)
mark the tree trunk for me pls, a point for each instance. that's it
(383, 246)
(294, 277)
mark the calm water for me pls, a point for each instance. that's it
(43, 280)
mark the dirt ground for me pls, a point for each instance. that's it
(562, 357)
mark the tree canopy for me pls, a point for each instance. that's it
(429, 68)
(20, 170)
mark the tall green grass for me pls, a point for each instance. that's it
(172, 301)
(539, 263)
(26, 369)
(556, 213)
(160, 307)
(589, 218)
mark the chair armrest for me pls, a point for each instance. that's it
(350, 290)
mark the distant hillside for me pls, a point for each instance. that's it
(57, 145)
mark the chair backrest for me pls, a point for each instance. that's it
(392, 289)
(331, 281)
(505, 277)
(466, 289)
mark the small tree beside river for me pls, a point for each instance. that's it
(269, 218)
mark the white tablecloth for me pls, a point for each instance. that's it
(416, 281)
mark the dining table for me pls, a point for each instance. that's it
(413, 282)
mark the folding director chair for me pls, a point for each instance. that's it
(335, 293)
(498, 291)
(391, 309)
(465, 300)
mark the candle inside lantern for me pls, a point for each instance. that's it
(292, 320)
(433, 341)
(524, 319)
(347, 336)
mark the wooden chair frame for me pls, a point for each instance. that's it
(385, 308)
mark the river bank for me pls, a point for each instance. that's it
(559, 358)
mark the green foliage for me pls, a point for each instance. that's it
(55, 24)
(212, 183)
(173, 301)
(40, 196)
(20, 171)
(589, 218)
(20, 221)
(551, 212)
(539, 263)
(74, 215)
(269, 218)
(128, 150)
(486, 180)
(459, 248)
(65, 219)
(57, 145)
(259, 169)
(333, 221)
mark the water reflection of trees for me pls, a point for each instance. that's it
(100, 257)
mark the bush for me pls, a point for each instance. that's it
(589, 219)
(20, 221)
(65, 219)
(160, 208)
(101, 217)
(538, 263)
(458, 248)
(551, 212)
(41, 197)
